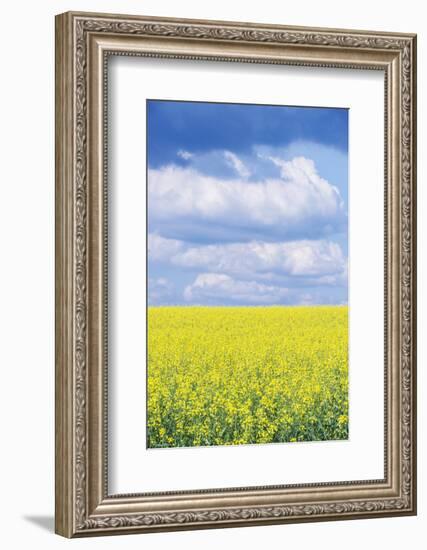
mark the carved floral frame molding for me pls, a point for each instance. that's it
(83, 43)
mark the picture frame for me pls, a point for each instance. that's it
(84, 505)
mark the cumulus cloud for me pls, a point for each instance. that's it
(161, 249)
(222, 289)
(218, 287)
(323, 259)
(160, 290)
(297, 204)
(235, 162)
(300, 258)
(248, 229)
(185, 155)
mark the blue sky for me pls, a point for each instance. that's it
(247, 204)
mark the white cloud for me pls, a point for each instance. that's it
(297, 204)
(160, 290)
(323, 259)
(218, 287)
(234, 161)
(161, 249)
(186, 155)
(298, 258)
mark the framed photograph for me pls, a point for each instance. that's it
(235, 274)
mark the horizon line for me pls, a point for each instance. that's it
(247, 305)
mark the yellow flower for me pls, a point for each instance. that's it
(239, 375)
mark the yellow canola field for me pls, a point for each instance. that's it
(244, 375)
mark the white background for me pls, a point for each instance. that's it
(27, 275)
(133, 468)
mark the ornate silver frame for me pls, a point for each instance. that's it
(83, 42)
